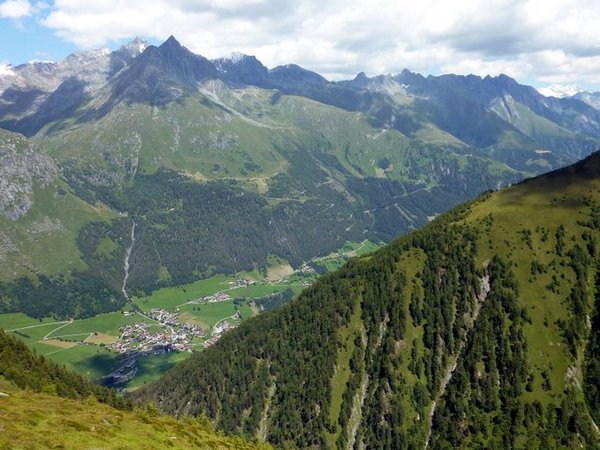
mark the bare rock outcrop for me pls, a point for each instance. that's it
(22, 166)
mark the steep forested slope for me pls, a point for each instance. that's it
(30, 371)
(479, 331)
(42, 271)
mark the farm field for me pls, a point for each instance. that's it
(84, 344)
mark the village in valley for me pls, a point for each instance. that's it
(128, 348)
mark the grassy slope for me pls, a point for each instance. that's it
(222, 132)
(37, 421)
(540, 205)
(48, 229)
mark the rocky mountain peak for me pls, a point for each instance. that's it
(135, 47)
(241, 68)
(171, 44)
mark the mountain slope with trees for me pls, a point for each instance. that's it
(477, 331)
(43, 405)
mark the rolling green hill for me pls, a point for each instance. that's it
(479, 330)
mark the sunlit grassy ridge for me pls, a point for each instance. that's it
(40, 421)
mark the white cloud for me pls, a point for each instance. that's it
(545, 40)
(15, 9)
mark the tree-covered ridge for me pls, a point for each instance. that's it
(76, 296)
(27, 370)
(187, 230)
(471, 332)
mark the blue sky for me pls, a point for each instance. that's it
(26, 39)
(538, 42)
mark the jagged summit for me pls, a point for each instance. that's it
(171, 43)
(361, 76)
(236, 57)
(135, 47)
(240, 68)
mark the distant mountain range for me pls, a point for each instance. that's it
(198, 149)
(572, 91)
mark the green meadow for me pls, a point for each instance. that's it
(81, 344)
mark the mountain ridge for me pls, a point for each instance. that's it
(477, 321)
(376, 156)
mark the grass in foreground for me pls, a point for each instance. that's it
(39, 421)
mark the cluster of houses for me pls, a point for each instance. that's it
(220, 328)
(306, 269)
(173, 335)
(242, 282)
(218, 297)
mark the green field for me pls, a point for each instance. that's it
(261, 289)
(172, 297)
(64, 341)
(208, 314)
(104, 323)
(19, 320)
(337, 259)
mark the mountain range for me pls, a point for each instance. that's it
(151, 166)
(162, 135)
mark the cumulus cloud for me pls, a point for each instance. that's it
(15, 9)
(541, 40)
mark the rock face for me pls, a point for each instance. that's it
(92, 67)
(21, 168)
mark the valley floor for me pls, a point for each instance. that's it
(128, 349)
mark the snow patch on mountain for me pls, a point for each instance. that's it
(6, 70)
(135, 47)
(560, 90)
(235, 57)
(224, 63)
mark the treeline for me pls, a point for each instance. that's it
(275, 300)
(442, 301)
(187, 230)
(591, 367)
(481, 406)
(30, 371)
(76, 296)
